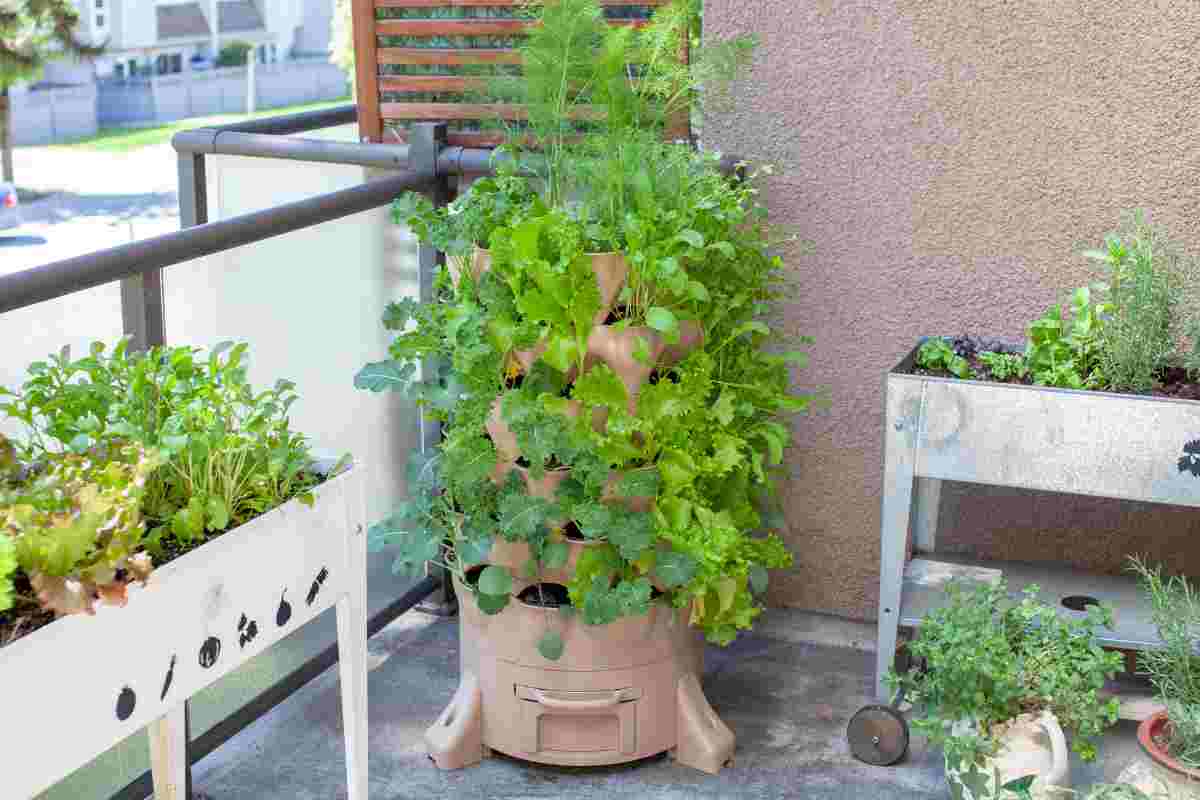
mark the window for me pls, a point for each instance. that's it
(99, 5)
(99, 20)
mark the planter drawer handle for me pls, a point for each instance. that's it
(576, 701)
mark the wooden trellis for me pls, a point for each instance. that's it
(419, 61)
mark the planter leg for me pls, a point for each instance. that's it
(169, 755)
(905, 412)
(704, 741)
(456, 739)
(352, 657)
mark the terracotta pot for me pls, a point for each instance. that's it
(1028, 745)
(1154, 771)
(481, 262)
(503, 438)
(616, 347)
(636, 504)
(611, 272)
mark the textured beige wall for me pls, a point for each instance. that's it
(949, 159)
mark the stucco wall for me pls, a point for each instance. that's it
(949, 159)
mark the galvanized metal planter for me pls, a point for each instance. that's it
(1059, 440)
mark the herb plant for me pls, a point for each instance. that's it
(988, 659)
(1004, 366)
(1067, 352)
(937, 354)
(1144, 275)
(1175, 668)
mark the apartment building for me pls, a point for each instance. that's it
(162, 37)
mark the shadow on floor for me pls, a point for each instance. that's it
(21, 241)
(788, 702)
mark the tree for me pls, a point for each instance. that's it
(32, 32)
(341, 41)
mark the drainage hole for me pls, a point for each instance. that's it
(1079, 602)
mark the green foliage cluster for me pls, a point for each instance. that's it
(1175, 668)
(1144, 277)
(1067, 352)
(1121, 334)
(936, 353)
(675, 494)
(76, 526)
(173, 444)
(987, 659)
(235, 54)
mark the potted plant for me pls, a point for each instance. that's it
(1001, 685)
(1100, 400)
(605, 486)
(161, 523)
(1170, 740)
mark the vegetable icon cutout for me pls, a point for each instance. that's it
(126, 702)
(210, 651)
(285, 611)
(167, 681)
(316, 585)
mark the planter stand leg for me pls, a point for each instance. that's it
(169, 755)
(907, 409)
(352, 664)
(704, 741)
(456, 739)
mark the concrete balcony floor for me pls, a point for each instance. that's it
(787, 690)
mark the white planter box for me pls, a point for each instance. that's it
(76, 687)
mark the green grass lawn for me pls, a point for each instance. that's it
(120, 140)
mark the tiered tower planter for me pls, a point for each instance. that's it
(619, 692)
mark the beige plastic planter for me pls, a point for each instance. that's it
(620, 692)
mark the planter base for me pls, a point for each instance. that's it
(621, 692)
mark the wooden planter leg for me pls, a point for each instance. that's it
(169, 755)
(352, 662)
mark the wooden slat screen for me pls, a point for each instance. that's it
(417, 60)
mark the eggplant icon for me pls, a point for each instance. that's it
(285, 611)
(167, 681)
(126, 701)
(316, 585)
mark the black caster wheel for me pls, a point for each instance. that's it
(878, 735)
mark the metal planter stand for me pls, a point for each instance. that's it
(1079, 442)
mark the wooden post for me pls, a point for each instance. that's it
(169, 763)
(366, 71)
(6, 156)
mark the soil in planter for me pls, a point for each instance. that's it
(27, 616)
(1173, 382)
(545, 595)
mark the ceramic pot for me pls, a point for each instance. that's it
(503, 438)
(1029, 744)
(1154, 772)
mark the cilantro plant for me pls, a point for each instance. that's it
(1067, 352)
(1004, 366)
(988, 658)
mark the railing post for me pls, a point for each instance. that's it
(142, 315)
(425, 141)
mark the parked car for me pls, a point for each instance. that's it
(10, 212)
(199, 63)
